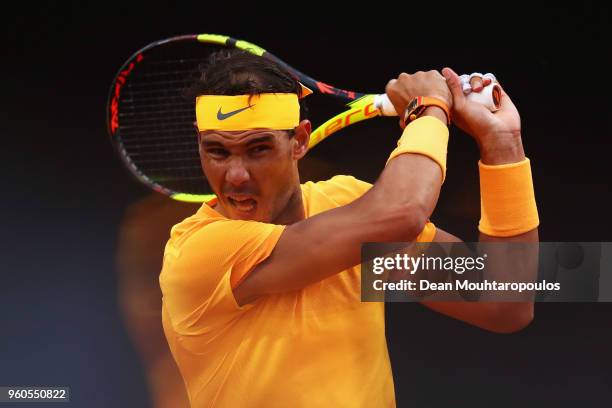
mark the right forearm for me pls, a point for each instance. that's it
(412, 179)
(394, 209)
(410, 182)
(416, 169)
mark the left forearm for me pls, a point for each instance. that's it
(507, 196)
(496, 150)
(514, 192)
(508, 213)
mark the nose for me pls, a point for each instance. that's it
(237, 173)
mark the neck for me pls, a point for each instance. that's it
(294, 210)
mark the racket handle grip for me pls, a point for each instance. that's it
(490, 97)
(384, 105)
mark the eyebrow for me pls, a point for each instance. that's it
(212, 144)
(262, 139)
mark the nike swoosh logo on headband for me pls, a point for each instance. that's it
(223, 116)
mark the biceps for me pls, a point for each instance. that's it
(304, 255)
(321, 246)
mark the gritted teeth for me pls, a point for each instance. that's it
(240, 198)
(244, 204)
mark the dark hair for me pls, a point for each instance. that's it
(237, 72)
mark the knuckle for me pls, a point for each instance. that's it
(403, 78)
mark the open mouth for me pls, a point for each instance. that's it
(243, 204)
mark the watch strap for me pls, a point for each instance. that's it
(417, 105)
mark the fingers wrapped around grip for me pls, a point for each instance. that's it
(408, 86)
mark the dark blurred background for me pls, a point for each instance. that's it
(65, 194)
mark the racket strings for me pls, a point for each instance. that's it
(154, 117)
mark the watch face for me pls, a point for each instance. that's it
(414, 103)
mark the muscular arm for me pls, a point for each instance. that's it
(499, 140)
(500, 317)
(394, 209)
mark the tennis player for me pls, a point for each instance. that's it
(261, 287)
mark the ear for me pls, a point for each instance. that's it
(301, 139)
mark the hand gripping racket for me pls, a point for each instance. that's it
(151, 124)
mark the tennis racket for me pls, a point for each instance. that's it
(150, 123)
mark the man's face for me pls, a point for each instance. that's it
(253, 172)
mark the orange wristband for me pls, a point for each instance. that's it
(427, 136)
(507, 199)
